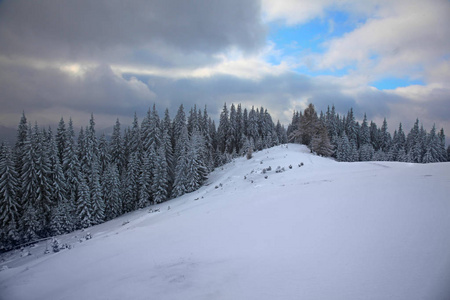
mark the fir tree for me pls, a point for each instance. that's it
(179, 186)
(97, 203)
(111, 192)
(116, 151)
(196, 171)
(364, 133)
(223, 132)
(145, 188)
(83, 206)
(61, 139)
(433, 153)
(9, 207)
(385, 137)
(321, 143)
(151, 131)
(344, 150)
(307, 127)
(160, 179)
(71, 171)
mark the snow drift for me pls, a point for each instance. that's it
(324, 230)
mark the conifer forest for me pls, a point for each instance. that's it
(53, 183)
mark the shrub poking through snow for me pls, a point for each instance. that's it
(249, 153)
(55, 245)
(279, 169)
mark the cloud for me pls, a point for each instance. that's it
(42, 93)
(293, 12)
(112, 58)
(152, 32)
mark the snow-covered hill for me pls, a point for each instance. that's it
(325, 230)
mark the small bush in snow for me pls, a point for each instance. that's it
(279, 169)
(290, 166)
(264, 171)
(269, 168)
(55, 245)
(266, 177)
(249, 153)
(88, 236)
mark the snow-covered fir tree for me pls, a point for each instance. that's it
(9, 207)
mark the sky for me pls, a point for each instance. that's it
(63, 58)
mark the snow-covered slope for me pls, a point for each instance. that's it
(325, 230)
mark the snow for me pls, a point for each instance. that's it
(326, 230)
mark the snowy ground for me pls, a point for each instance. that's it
(326, 230)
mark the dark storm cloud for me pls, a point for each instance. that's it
(128, 30)
(99, 90)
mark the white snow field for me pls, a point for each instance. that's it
(326, 230)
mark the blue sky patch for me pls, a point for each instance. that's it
(392, 83)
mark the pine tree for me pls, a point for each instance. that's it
(83, 206)
(379, 155)
(232, 135)
(223, 131)
(344, 149)
(160, 179)
(364, 133)
(19, 152)
(385, 137)
(104, 157)
(59, 221)
(36, 185)
(442, 151)
(366, 152)
(145, 188)
(433, 153)
(307, 127)
(151, 131)
(96, 198)
(116, 151)
(111, 192)
(321, 143)
(131, 184)
(179, 186)
(9, 207)
(135, 142)
(61, 139)
(196, 171)
(71, 171)
(350, 126)
(414, 144)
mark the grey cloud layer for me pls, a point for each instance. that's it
(171, 35)
(123, 30)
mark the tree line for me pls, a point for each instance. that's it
(55, 183)
(329, 134)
